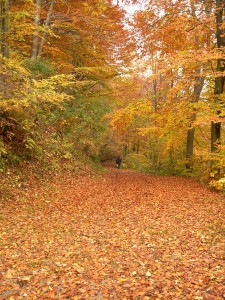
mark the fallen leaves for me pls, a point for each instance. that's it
(207, 296)
(122, 236)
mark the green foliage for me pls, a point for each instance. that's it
(80, 126)
(51, 122)
(167, 165)
(3, 154)
(3, 150)
(50, 109)
(137, 162)
(39, 68)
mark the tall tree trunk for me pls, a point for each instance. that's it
(198, 85)
(219, 81)
(4, 27)
(155, 144)
(199, 82)
(47, 23)
(36, 32)
(191, 131)
(1, 26)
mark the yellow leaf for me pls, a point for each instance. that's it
(148, 274)
(78, 268)
(26, 278)
(8, 274)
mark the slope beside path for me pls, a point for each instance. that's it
(121, 235)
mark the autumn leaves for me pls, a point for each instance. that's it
(124, 235)
(178, 116)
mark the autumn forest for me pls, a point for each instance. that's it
(81, 82)
(93, 78)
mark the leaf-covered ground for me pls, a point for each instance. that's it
(121, 235)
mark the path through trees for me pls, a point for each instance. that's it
(121, 235)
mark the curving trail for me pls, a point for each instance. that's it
(121, 235)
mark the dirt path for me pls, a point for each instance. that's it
(123, 235)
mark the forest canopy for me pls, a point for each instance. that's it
(91, 79)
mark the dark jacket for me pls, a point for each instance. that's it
(119, 160)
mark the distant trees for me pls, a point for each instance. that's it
(186, 41)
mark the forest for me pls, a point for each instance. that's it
(85, 80)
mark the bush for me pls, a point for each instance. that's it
(39, 68)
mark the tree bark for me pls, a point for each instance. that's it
(199, 82)
(47, 23)
(198, 85)
(36, 32)
(219, 80)
(4, 27)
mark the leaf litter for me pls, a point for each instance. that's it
(121, 235)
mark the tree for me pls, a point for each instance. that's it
(180, 35)
(39, 38)
(220, 78)
(4, 27)
(36, 33)
(176, 57)
(198, 86)
(63, 55)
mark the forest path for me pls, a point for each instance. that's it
(120, 235)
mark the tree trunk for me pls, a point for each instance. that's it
(36, 33)
(198, 85)
(199, 82)
(47, 23)
(215, 135)
(4, 28)
(219, 81)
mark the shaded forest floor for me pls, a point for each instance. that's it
(120, 235)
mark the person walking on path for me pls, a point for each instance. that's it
(118, 162)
